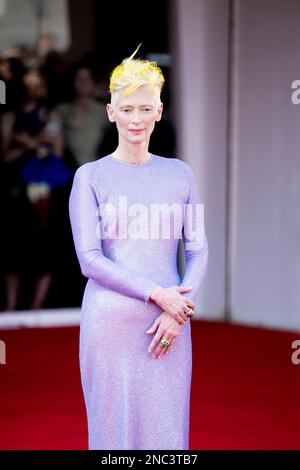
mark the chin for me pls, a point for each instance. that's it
(137, 139)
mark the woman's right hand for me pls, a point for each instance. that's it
(172, 302)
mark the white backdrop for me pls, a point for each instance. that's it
(263, 255)
(199, 55)
(266, 231)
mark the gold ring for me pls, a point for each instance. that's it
(190, 312)
(164, 342)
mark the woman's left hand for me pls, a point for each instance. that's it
(166, 327)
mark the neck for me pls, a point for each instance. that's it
(132, 153)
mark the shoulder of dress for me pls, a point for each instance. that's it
(182, 164)
(171, 161)
(179, 170)
(92, 169)
(184, 167)
(87, 169)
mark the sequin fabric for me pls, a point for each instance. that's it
(133, 401)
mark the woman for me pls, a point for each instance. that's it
(82, 120)
(134, 290)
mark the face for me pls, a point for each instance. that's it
(135, 115)
(34, 84)
(83, 83)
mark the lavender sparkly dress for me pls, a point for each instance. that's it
(133, 401)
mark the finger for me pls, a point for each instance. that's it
(157, 352)
(183, 317)
(180, 319)
(166, 350)
(160, 350)
(188, 311)
(184, 288)
(155, 341)
(170, 347)
(150, 330)
(153, 327)
(191, 304)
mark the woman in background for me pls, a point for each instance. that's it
(81, 120)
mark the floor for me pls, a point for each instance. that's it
(245, 389)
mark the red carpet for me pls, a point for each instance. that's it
(245, 389)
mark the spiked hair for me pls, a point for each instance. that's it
(133, 73)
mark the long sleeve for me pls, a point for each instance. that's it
(194, 241)
(84, 217)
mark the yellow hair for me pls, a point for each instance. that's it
(133, 73)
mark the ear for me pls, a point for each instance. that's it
(159, 112)
(110, 112)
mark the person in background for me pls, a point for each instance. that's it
(82, 119)
(28, 147)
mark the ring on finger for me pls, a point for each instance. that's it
(169, 347)
(190, 312)
(164, 351)
(164, 342)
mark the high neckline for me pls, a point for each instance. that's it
(132, 164)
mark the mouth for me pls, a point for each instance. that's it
(136, 131)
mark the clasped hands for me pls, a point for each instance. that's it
(169, 322)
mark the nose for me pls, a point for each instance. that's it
(136, 117)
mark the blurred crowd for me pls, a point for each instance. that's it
(54, 120)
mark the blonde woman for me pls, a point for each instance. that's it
(135, 332)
